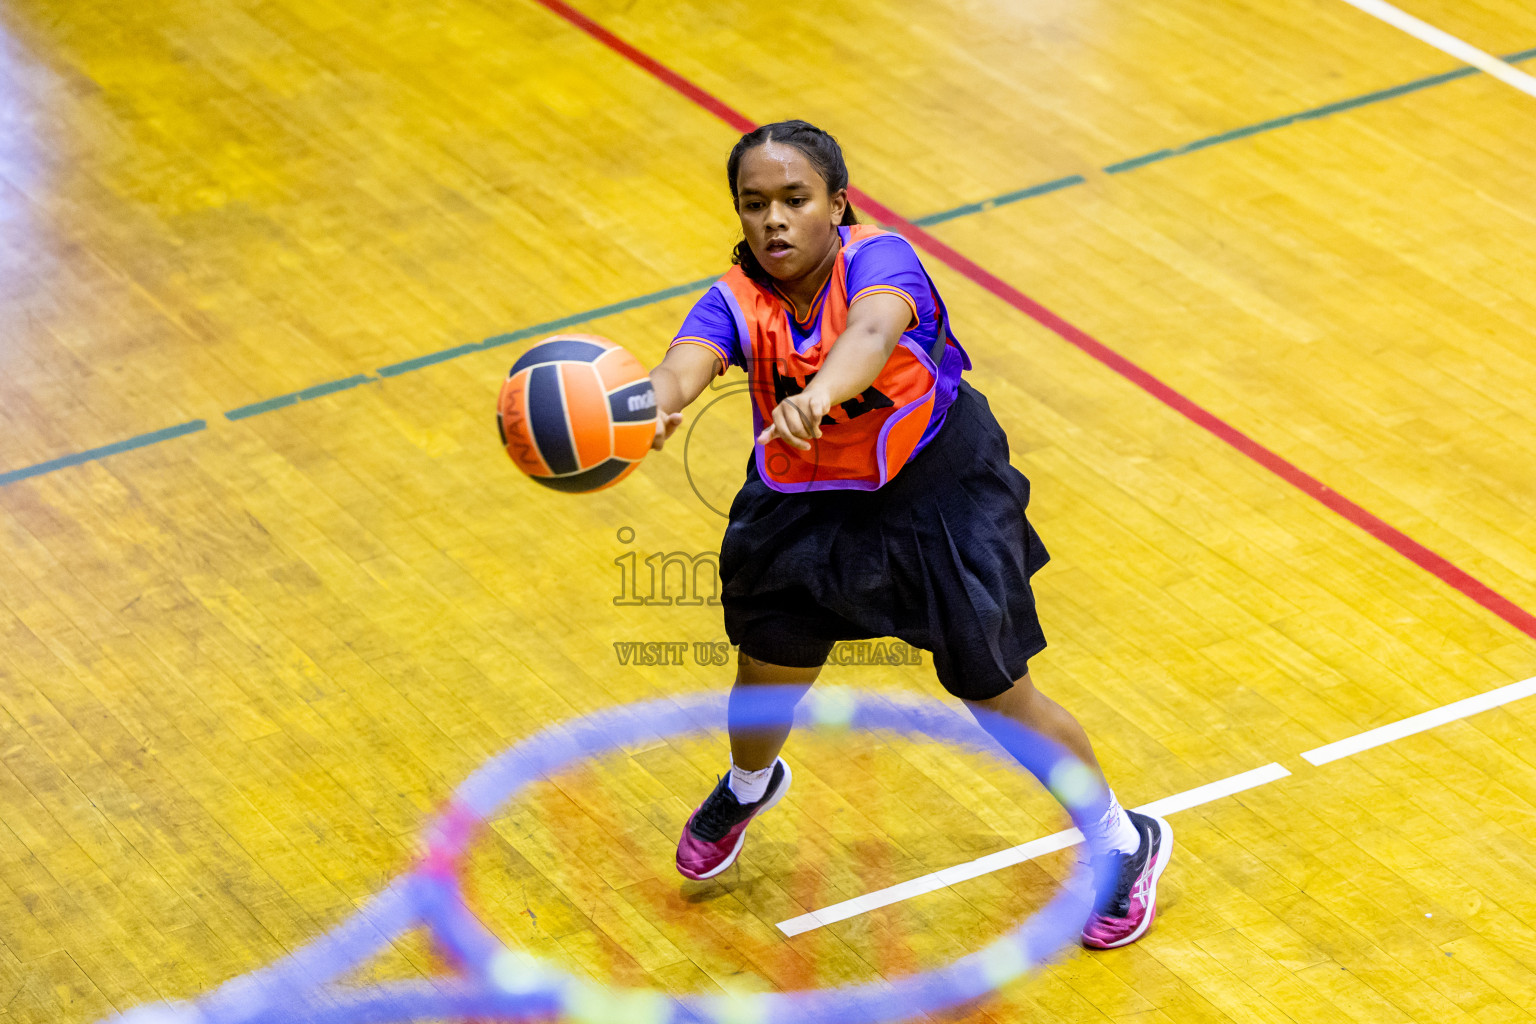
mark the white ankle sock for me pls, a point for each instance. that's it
(1116, 830)
(749, 787)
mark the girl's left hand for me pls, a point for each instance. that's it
(797, 419)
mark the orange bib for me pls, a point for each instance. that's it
(865, 440)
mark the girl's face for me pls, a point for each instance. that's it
(789, 220)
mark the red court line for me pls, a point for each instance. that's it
(1437, 565)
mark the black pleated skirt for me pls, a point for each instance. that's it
(940, 557)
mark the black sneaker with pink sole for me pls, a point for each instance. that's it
(715, 831)
(1127, 912)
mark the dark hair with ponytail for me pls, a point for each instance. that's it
(817, 146)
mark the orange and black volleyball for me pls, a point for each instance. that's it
(577, 412)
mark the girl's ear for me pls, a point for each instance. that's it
(838, 205)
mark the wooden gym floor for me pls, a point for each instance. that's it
(269, 590)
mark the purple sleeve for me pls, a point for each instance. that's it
(888, 263)
(711, 324)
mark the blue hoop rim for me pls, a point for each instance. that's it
(499, 983)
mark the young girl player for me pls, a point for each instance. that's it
(879, 501)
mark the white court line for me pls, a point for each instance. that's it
(1418, 723)
(1168, 805)
(1019, 854)
(1444, 41)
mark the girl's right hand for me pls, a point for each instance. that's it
(666, 423)
(682, 376)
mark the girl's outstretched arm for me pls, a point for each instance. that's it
(683, 374)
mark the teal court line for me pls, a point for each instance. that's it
(91, 454)
(1325, 110)
(283, 401)
(524, 333)
(1003, 200)
(677, 291)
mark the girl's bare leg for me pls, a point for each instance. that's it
(754, 747)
